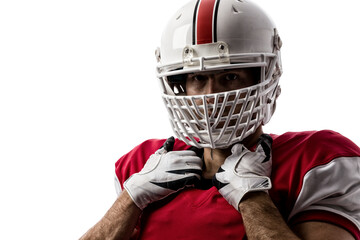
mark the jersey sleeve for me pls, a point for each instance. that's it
(330, 187)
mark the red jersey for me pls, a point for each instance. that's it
(315, 177)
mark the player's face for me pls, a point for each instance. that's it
(221, 81)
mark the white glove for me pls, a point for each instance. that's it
(245, 171)
(163, 174)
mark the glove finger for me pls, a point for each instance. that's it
(180, 155)
(199, 151)
(264, 146)
(237, 148)
(193, 160)
(219, 180)
(169, 144)
(186, 161)
(187, 172)
(237, 151)
(180, 183)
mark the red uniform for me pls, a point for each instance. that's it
(315, 176)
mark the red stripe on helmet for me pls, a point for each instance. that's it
(204, 30)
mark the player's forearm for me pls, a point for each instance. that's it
(262, 219)
(118, 223)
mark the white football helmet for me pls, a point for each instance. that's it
(208, 35)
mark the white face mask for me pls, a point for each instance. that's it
(221, 119)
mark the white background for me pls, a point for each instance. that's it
(78, 90)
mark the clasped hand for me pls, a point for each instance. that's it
(245, 171)
(165, 173)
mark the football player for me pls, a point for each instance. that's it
(222, 177)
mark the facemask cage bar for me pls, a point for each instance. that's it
(221, 119)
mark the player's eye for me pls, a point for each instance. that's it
(231, 77)
(199, 77)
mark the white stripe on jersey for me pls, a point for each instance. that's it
(334, 187)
